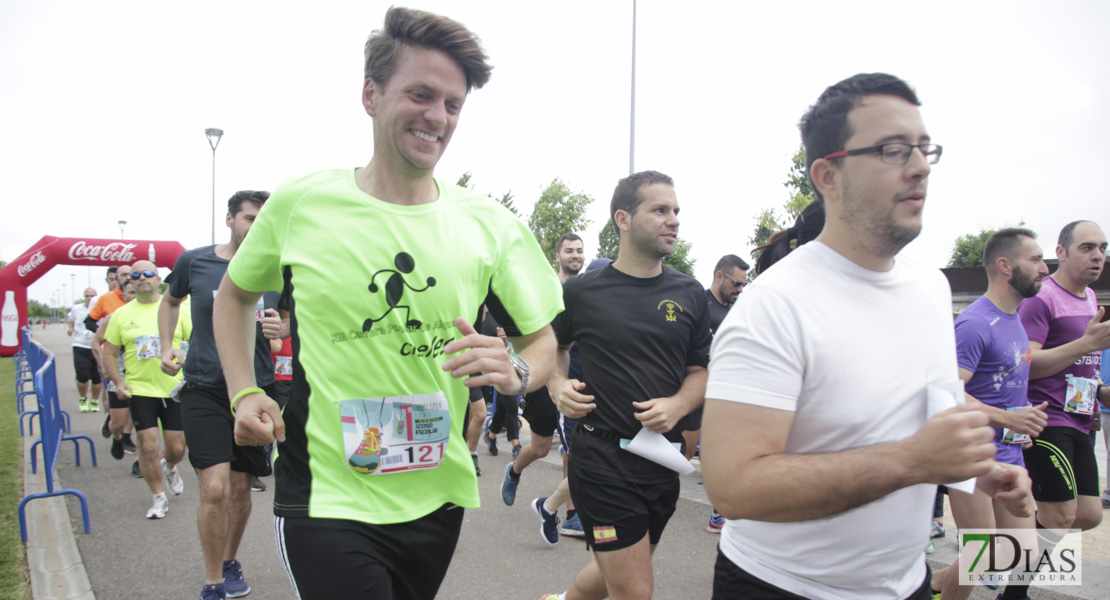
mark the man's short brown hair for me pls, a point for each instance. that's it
(408, 27)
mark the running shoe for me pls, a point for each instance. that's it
(256, 486)
(549, 522)
(128, 445)
(477, 469)
(932, 547)
(572, 527)
(172, 479)
(234, 584)
(516, 451)
(136, 472)
(938, 530)
(508, 486)
(104, 431)
(117, 449)
(1105, 502)
(552, 597)
(492, 442)
(213, 591)
(94, 405)
(716, 523)
(158, 508)
(83, 404)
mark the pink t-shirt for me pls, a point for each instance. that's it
(1055, 317)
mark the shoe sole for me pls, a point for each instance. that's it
(572, 533)
(539, 513)
(237, 595)
(504, 482)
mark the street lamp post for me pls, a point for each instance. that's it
(73, 286)
(122, 224)
(214, 136)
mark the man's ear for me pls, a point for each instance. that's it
(370, 93)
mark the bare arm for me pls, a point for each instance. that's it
(168, 313)
(111, 362)
(486, 362)
(1030, 420)
(97, 342)
(1050, 362)
(257, 417)
(662, 414)
(749, 475)
(566, 392)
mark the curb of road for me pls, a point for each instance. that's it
(55, 565)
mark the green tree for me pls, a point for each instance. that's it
(558, 211)
(608, 244)
(800, 196)
(506, 199)
(968, 249)
(37, 310)
(766, 224)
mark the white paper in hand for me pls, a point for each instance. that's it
(654, 447)
(941, 397)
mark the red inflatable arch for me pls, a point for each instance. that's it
(16, 277)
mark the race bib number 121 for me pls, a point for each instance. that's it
(396, 433)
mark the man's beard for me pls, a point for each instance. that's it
(1025, 284)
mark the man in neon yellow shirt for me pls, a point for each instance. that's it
(383, 269)
(134, 327)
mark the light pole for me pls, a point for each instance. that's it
(214, 136)
(73, 286)
(632, 126)
(122, 224)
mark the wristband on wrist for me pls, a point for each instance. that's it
(243, 393)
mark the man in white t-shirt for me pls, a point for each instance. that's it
(83, 362)
(817, 446)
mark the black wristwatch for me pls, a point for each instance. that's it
(521, 368)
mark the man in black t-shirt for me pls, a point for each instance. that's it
(643, 333)
(225, 470)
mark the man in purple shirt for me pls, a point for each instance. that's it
(992, 352)
(1067, 338)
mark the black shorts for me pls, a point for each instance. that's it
(336, 558)
(566, 431)
(115, 401)
(617, 513)
(85, 365)
(1062, 465)
(540, 412)
(730, 582)
(210, 432)
(147, 411)
(283, 390)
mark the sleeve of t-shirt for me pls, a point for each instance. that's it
(1036, 317)
(698, 355)
(112, 333)
(256, 266)
(524, 293)
(757, 353)
(563, 323)
(971, 338)
(178, 279)
(72, 316)
(98, 309)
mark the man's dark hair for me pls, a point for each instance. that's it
(408, 27)
(628, 196)
(806, 228)
(1004, 243)
(825, 126)
(729, 262)
(235, 204)
(566, 237)
(1067, 234)
(111, 271)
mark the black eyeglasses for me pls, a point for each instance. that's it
(739, 284)
(894, 153)
(147, 273)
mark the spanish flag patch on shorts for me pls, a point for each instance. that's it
(605, 533)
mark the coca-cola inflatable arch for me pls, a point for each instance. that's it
(16, 277)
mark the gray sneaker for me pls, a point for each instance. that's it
(158, 508)
(172, 479)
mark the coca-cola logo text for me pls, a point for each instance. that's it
(37, 259)
(113, 252)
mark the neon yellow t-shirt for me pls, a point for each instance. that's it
(374, 424)
(134, 327)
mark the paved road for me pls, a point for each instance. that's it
(500, 553)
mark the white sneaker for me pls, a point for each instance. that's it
(158, 508)
(172, 480)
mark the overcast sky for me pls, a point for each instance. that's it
(104, 106)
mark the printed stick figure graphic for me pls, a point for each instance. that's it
(395, 289)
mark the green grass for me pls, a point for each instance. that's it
(14, 581)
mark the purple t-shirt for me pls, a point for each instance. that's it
(1053, 318)
(992, 344)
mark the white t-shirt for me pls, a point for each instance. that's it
(850, 352)
(82, 337)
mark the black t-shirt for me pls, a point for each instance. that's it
(717, 311)
(636, 338)
(197, 273)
